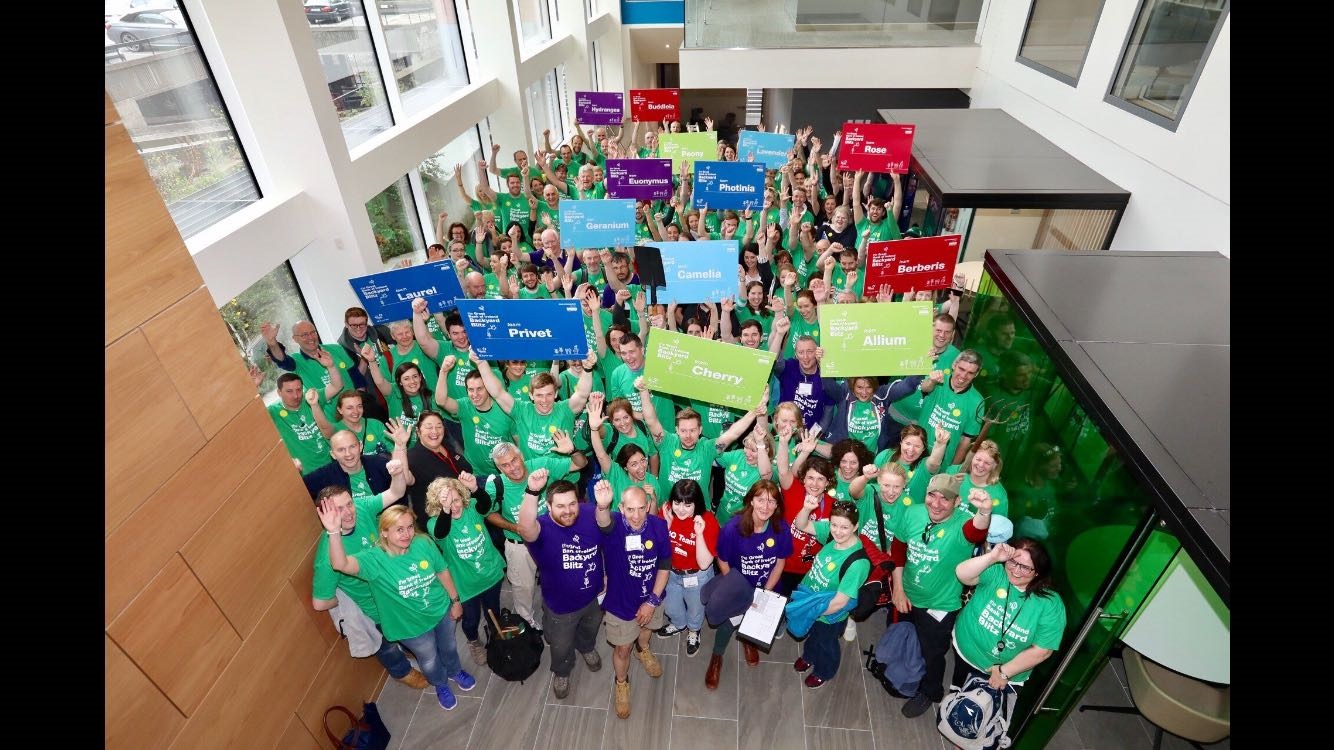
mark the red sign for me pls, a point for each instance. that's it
(649, 105)
(922, 263)
(875, 147)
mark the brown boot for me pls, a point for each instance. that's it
(415, 680)
(752, 653)
(622, 699)
(715, 671)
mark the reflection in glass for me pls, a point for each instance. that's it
(1165, 54)
(426, 48)
(1058, 34)
(534, 19)
(347, 58)
(441, 185)
(393, 216)
(162, 88)
(274, 298)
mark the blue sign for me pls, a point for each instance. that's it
(388, 296)
(698, 271)
(769, 149)
(526, 329)
(602, 223)
(726, 184)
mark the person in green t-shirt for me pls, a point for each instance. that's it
(301, 423)
(418, 602)
(537, 425)
(321, 366)
(907, 409)
(531, 284)
(820, 652)
(957, 406)
(742, 468)
(684, 455)
(848, 456)
(410, 396)
(349, 411)
(484, 425)
(458, 524)
(939, 537)
(1014, 621)
(984, 470)
(878, 222)
(911, 455)
(878, 503)
(620, 427)
(626, 464)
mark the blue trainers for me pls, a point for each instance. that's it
(447, 699)
(464, 680)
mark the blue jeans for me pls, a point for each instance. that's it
(473, 608)
(684, 608)
(821, 648)
(435, 652)
(392, 657)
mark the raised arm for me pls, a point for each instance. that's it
(529, 529)
(332, 520)
(602, 496)
(897, 202)
(372, 359)
(726, 321)
(857, 487)
(784, 470)
(655, 429)
(803, 520)
(741, 426)
(712, 331)
(442, 397)
(857, 212)
(781, 325)
(596, 420)
(492, 383)
(420, 314)
(585, 384)
(321, 421)
(936, 461)
(335, 385)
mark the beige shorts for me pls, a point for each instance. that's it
(624, 632)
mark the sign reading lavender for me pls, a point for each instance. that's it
(641, 179)
(599, 107)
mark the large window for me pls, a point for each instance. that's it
(595, 61)
(275, 298)
(440, 176)
(398, 231)
(534, 19)
(164, 92)
(1164, 55)
(545, 109)
(426, 50)
(1057, 38)
(347, 57)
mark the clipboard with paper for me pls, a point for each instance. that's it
(760, 622)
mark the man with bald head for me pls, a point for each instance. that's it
(364, 475)
(321, 366)
(474, 286)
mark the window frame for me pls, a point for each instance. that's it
(1071, 81)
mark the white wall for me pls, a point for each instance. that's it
(1180, 183)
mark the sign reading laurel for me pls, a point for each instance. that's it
(876, 338)
(710, 371)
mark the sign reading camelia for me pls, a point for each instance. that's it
(702, 271)
(878, 338)
(706, 370)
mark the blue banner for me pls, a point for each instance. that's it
(769, 149)
(603, 223)
(698, 271)
(388, 296)
(526, 329)
(726, 184)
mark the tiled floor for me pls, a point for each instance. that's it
(757, 708)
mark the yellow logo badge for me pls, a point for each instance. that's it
(477, 526)
(940, 534)
(956, 412)
(282, 412)
(648, 544)
(370, 438)
(829, 565)
(551, 429)
(1001, 593)
(732, 468)
(677, 453)
(476, 419)
(769, 542)
(342, 365)
(424, 565)
(907, 501)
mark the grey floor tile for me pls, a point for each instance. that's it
(785, 649)
(590, 689)
(692, 733)
(691, 698)
(841, 702)
(649, 725)
(869, 632)
(1107, 731)
(1171, 742)
(1066, 738)
(511, 711)
(825, 738)
(572, 727)
(669, 645)
(770, 711)
(433, 726)
(891, 729)
(397, 703)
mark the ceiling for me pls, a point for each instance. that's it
(657, 44)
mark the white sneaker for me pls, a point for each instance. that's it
(850, 632)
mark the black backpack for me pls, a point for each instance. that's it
(513, 649)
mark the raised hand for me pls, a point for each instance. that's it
(870, 470)
(782, 323)
(602, 493)
(699, 526)
(538, 479)
(270, 332)
(809, 439)
(448, 363)
(368, 353)
(420, 308)
(811, 503)
(729, 305)
(330, 517)
(394, 466)
(469, 481)
(256, 376)
(942, 435)
(397, 433)
(596, 400)
(563, 444)
(591, 360)
(978, 498)
(312, 397)
(324, 358)
(639, 384)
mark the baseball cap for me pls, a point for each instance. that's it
(946, 484)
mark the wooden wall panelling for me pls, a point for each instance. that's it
(137, 715)
(249, 548)
(342, 681)
(200, 357)
(302, 582)
(253, 700)
(137, 549)
(149, 431)
(148, 267)
(176, 634)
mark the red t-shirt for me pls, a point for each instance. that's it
(683, 540)
(803, 544)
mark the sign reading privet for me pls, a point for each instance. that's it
(599, 107)
(737, 185)
(600, 223)
(707, 370)
(701, 271)
(648, 105)
(920, 264)
(388, 296)
(525, 328)
(877, 338)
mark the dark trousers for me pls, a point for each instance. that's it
(723, 637)
(821, 648)
(788, 582)
(934, 638)
(474, 609)
(567, 633)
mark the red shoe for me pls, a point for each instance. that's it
(812, 681)
(801, 665)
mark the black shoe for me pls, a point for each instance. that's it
(916, 706)
(668, 630)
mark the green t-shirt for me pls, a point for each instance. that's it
(546, 212)
(1000, 499)
(327, 580)
(738, 476)
(743, 313)
(864, 424)
(677, 463)
(598, 192)
(873, 513)
(406, 587)
(998, 611)
(512, 208)
(598, 280)
(621, 384)
(928, 576)
(371, 435)
(473, 561)
(621, 481)
(358, 486)
(456, 386)
(492, 286)
(534, 173)
(313, 374)
(839, 280)
(301, 435)
(409, 423)
(557, 465)
(910, 405)
(429, 367)
(639, 438)
(714, 419)
(840, 489)
(538, 292)
(518, 389)
(800, 328)
(482, 431)
(956, 412)
(824, 573)
(885, 229)
(533, 430)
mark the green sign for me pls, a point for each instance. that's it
(876, 338)
(691, 147)
(706, 370)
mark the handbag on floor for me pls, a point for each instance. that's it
(367, 733)
(513, 648)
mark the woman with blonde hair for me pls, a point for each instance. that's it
(457, 523)
(983, 472)
(413, 598)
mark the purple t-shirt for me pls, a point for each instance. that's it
(569, 561)
(630, 572)
(791, 387)
(755, 555)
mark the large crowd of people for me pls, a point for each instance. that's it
(602, 501)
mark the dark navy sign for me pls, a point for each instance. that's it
(525, 328)
(728, 184)
(388, 296)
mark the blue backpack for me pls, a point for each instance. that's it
(977, 716)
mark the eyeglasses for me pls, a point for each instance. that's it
(1020, 568)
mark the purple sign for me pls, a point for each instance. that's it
(642, 179)
(599, 107)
